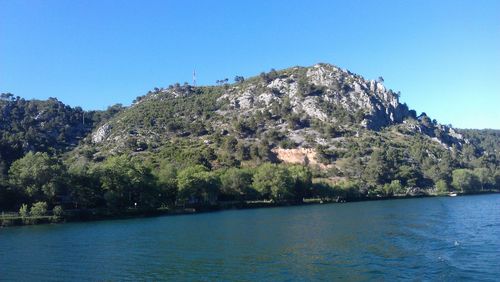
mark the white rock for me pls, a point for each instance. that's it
(101, 133)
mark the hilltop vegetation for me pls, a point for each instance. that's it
(43, 126)
(486, 141)
(316, 132)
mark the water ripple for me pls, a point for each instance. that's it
(418, 239)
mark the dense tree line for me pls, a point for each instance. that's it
(40, 181)
(418, 164)
(124, 182)
(485, 141)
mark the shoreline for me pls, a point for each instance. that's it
(100, 215)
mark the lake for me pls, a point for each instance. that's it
(443, 238)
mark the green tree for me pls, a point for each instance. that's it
(23, 211)
(85, 188)
(409, 175)
(58, 211)
(391, 189)
(167, 183)
(442, 187)
(38, 175)
(496, 178)
(242, 152)
(236, 183)
(324, 189)
(264, 151)
(468, 153)
(485, 177)
(302, 177)
(239, 79)
(273, 181)
(352, 189)
(396, 187)
(445, 166)
(127, 182)
(38, 209)
(465, 180)
(197, 184)
(376, 169)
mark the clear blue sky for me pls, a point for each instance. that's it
(444, 56)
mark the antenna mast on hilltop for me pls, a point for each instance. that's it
(194, 77)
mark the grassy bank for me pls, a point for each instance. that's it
(14, 219)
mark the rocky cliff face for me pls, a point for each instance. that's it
(381, 105)
(317, 91)
(101, 133)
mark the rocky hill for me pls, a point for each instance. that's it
(322, 108)
(42, 126)
(302, 132)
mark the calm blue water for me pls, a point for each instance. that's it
(445, 239)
